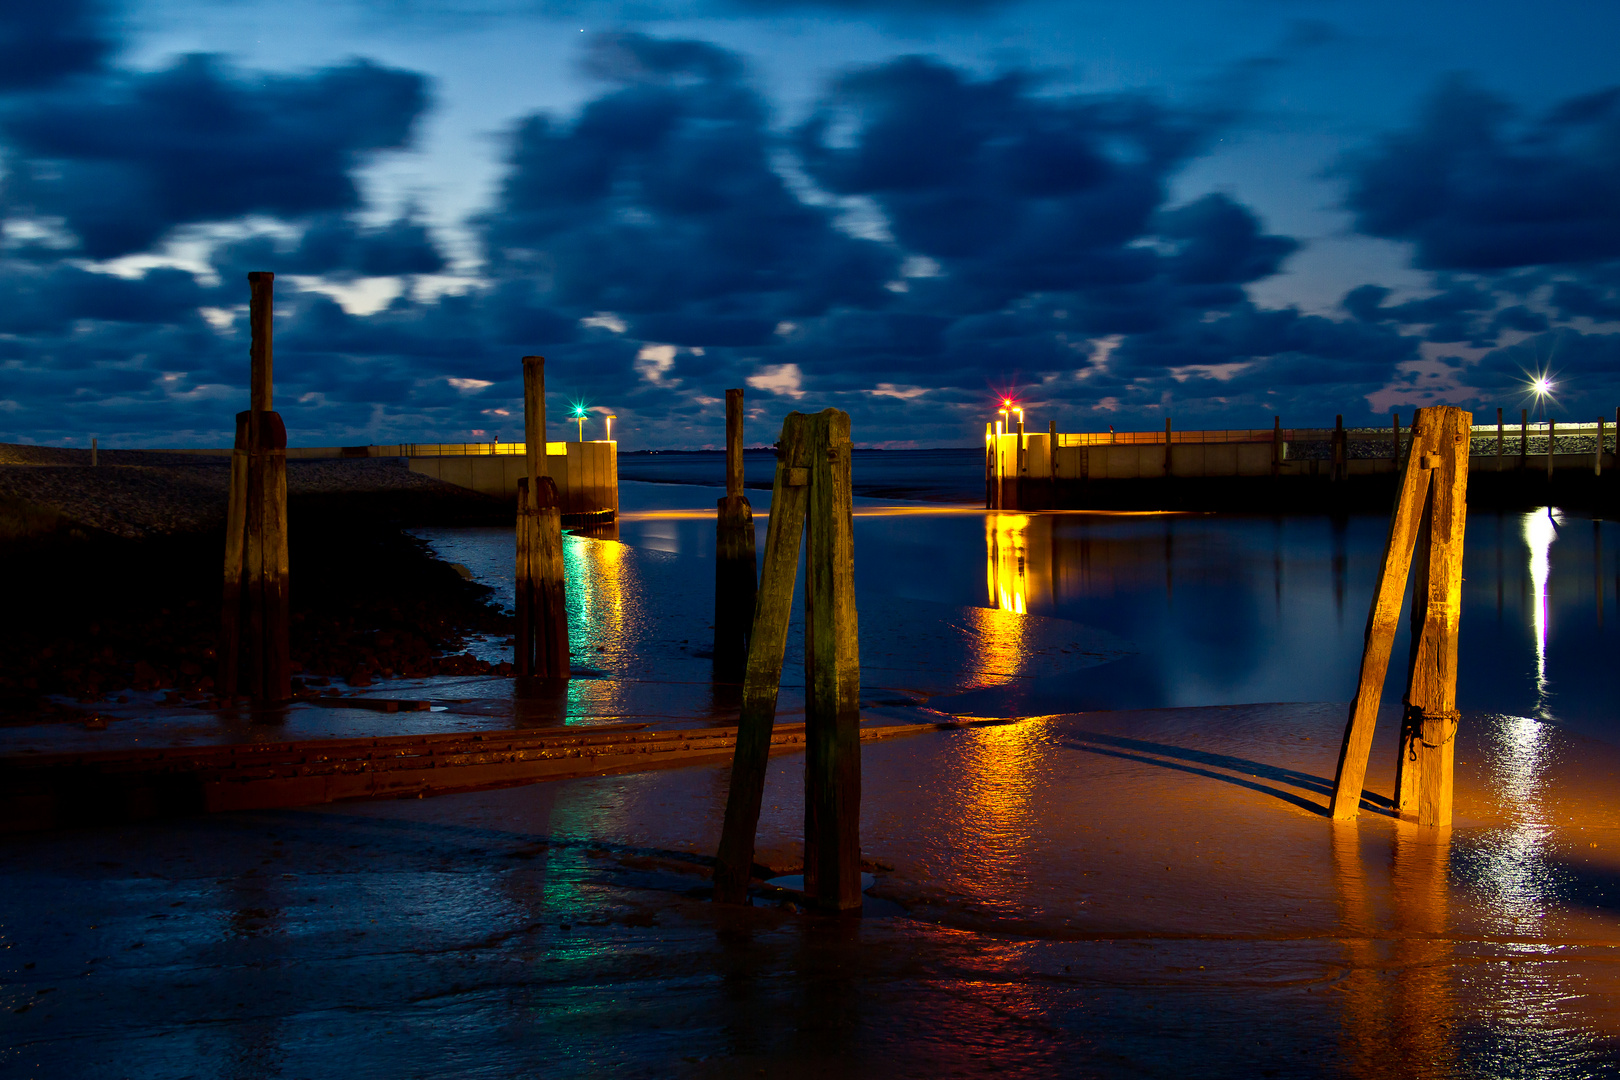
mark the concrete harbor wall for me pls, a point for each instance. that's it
(1269, 470)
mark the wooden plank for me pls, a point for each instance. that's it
(523, 639)
(275, 566)
(228, 653)
(832, 858)
(1429, 727)
(1382, 618)
(763, 677)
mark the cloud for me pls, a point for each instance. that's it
(123, 161)
(45, 41)
(1473, 191)
(785, 380)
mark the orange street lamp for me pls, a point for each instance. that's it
(610, 418)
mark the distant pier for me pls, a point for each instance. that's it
(1565, 464)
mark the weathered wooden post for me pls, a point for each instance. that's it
(1430, 514)
(541, 643)
(94, 461)
(255, 593)
(734, 564)
(812, 480)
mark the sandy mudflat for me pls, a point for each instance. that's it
(1106, 894)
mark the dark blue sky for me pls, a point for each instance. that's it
(1215, 210)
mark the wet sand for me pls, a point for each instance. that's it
(1125, 894)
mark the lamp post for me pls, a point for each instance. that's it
(579, 418)
(610, 418)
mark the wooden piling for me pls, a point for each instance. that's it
(541, 642)
(832, 849)
(1427, 748)
(1430, 501)
(763, 676)
(735, 564)
(254, 602)
(94, 448)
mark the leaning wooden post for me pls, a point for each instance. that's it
(1427, 746)
(1430, 505)
(763, 677)
(1383, 617)
(735, 564)
(832, 844)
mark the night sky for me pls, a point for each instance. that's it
(1215, 211)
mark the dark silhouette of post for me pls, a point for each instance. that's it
(1341, 464)
(812, 480)
(1429, 515)
(254, 607)
(735, 566)
(540, 647)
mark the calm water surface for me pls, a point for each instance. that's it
(1207, 609)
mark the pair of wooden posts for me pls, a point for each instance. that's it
(811, 495)
(1430, 515)
(253, 642)
(540, 647)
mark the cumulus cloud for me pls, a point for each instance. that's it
(1472, 190)
(667, 241)
(123, 161)
(42, 43)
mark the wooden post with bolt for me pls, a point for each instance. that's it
(812, 481)
(541, 644)
(254, 601)
(1429, 515)
(735, 569)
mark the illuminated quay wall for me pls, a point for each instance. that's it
(586, 473)
(1283, 468)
